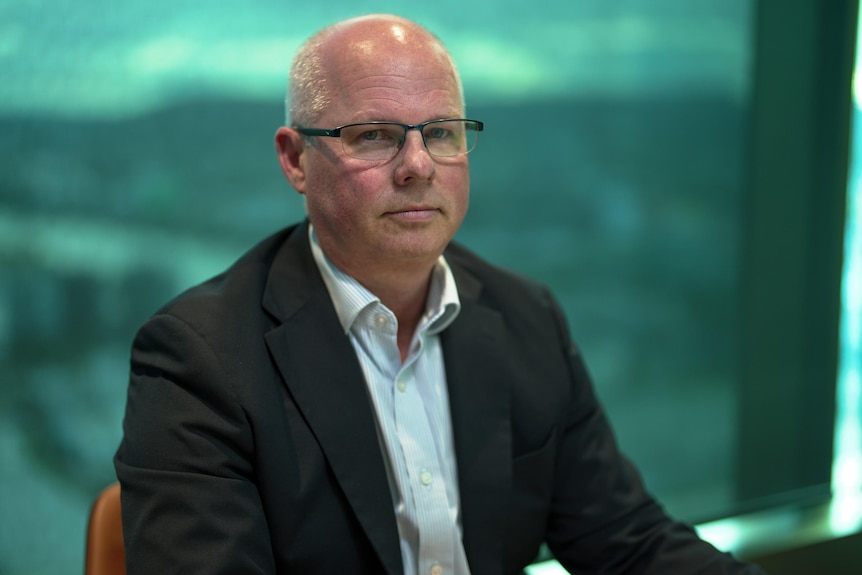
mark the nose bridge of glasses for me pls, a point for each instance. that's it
(420, 128)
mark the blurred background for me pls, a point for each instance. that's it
(676, 171)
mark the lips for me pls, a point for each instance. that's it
(414, 212)
(409, 209)
(413, 208)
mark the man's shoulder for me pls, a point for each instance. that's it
(468, 266)
(238, 287)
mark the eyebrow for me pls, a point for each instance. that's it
(374, 116)
(451, 114)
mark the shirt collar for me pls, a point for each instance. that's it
(349, 297)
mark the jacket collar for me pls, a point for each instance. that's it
(479, 396)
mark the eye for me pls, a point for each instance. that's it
(437, 133)
(366, 134)
(371, 135)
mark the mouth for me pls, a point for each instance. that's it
(414, 213)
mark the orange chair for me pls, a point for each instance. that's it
(105, 553)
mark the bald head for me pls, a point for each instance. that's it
(317, 76)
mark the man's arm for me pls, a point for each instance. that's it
(602, 518)
(185, 464)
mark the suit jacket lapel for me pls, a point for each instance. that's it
(323, 376)
(479, 397)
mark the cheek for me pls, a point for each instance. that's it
(342, 200)
(460, 196)
(326, 207)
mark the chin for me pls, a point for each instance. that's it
(418, 252)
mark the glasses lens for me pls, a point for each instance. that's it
(381, 141)
(372, 141)
(450, 137)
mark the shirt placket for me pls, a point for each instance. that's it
(427, 480)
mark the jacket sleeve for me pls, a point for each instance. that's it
(602, 519)
(185, 464)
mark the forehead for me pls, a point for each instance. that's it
(390, 70)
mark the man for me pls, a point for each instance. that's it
(355, 394)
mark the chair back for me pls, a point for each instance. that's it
(105, 553)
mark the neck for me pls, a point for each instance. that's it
(402, 285)
(405, 292)
(407, 301)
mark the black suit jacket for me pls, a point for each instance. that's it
(250, 443)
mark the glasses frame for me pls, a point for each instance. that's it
(336, 133)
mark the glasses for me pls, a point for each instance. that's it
(381, 140)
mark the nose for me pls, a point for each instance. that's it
(415, 163)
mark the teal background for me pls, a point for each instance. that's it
(136, 159)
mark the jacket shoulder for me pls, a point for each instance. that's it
(233, 299)
(495, 281)
(242, 280)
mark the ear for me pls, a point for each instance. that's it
(290, 147)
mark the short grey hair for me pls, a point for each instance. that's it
(307, 94)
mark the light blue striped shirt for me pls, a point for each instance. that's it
(412, 407)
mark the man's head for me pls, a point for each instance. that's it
(375, 216)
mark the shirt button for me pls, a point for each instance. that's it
(425, 478)
(436, 569)
(381, 320)
(401, 384)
